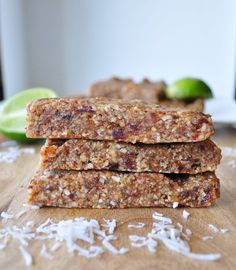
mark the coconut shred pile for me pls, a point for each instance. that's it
(10, 151)
(89, 238)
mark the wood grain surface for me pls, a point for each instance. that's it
(14, 179)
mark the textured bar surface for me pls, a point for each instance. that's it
(75, 154)
(119, 120)
(106, 189)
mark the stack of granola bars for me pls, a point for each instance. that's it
(110, 153)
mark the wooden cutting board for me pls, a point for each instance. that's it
(13, 183)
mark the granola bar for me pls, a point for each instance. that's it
(114, 119)
(149, 91)
(193, 105)
(77, 154)
(128, 90)
(110, 88)
(153, 92)
(106, 189)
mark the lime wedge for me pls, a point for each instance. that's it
(188, 89)
(13, 113)
(13, 125)
(20, 100)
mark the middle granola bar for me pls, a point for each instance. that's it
(115, 120)
(77, 154)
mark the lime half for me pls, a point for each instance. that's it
(188, 89)
(20, 100)
(13, 125)
(13, 113)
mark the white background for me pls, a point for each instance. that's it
(67, 44)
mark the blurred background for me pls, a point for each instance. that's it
(68, 44)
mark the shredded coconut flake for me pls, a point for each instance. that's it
(203, 257)
(188, 231)
(6, 216)
(31, 206)
(12, 153)
(26, 255)
(175, 204)
(30, 223)
(135, 238)
(160, 217)
(224, 230)
(106, 243)
(141, 241)
(156, 214)
(207, 238)
(55, 246)
(20, 214)
(138, 225)
(110, 224)
(44, 252)
(186, 214)
(180, 226)
(213, 228)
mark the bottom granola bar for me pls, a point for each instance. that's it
(106, 189)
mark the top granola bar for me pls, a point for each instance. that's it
(117, 120)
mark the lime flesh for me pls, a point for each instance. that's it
(20, 100)
(13, 113)
(188, 89)
(13, 125)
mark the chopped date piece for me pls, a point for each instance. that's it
(113, 167)
(85, 110)
(118, 134)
